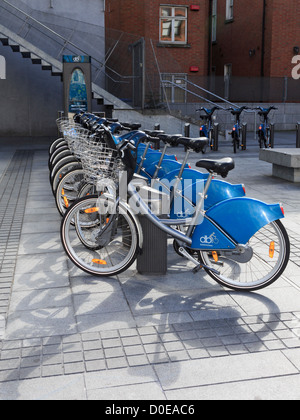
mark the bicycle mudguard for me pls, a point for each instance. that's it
(238, 218)
(218, 191)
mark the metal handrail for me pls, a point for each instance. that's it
(199, 96)
(67, 42)
(48, 29)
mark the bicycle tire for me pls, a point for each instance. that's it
(70, 166)
(262, 269)
(55, 144)
(112, 259)
(68, 189)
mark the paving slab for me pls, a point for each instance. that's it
(67, 335)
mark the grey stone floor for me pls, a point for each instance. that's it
(67, 335)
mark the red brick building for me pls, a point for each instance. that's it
(255, 39)
(251, 43)
(167, 38)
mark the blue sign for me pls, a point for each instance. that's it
(76, 59)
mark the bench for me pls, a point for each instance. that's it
(286, 162)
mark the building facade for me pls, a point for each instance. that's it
(257, 42)
(169, 42)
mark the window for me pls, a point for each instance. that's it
(173, 25)
(174, 87)
(214, 21)
(229, 9)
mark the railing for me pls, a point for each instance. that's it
(55, 44)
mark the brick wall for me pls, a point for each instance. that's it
(235, 39)
(141, 17)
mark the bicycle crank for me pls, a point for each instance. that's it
(198, 266)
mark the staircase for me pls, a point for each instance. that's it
(48, 63)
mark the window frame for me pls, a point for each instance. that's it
(214, 21)
(173, 18)
(229, 10)
(172, 86)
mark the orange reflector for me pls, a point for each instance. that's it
(272, 249)
(215, 256)
(233, 129)
(66, 201)
(62, 192)
(260, 127)
(100, 262)
(282, 210)
(91, 210)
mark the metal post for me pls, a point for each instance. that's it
(187, 131)
(244, 136)
(272, 135)
(216, 137)
(157, 145)
(298, 135)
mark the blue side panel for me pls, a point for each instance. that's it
(242, 217)
(207, 237)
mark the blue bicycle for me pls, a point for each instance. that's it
(264, 131)
(237, 128)
(207, 129)
(240, 242)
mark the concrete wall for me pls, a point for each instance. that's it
(89, 11)
(30, 98)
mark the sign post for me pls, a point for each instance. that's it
(77, 83)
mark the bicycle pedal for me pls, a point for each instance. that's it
(197, 269)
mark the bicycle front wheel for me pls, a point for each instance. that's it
(100, 243)
(263, 262)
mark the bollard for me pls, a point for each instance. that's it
(272, 135)
(298, 135)
(216, 137)
(157, 146)
(187, 131)
(244, 136)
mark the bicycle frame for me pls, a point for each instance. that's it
(219, 228)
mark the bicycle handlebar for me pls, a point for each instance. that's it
(208, 111)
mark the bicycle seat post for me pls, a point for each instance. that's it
(178, 177)
(143, 158)
(158, 166)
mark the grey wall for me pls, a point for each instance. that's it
(29, 98)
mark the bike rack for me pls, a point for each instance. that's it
(153, 258)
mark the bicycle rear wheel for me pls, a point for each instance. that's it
(101, 243)
(264, 261)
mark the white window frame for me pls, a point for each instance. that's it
(214, 20)
(229, 9)
(173, 20)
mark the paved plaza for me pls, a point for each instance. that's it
(67, 335)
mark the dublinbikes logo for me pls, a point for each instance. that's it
(296, 69)
(2, 68)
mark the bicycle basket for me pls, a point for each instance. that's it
(99, 162)
(75, 136)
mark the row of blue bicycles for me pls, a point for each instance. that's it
(106, 174)
(237, 134)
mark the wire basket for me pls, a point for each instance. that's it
(99, 162)
(63, 122)
(75, 137)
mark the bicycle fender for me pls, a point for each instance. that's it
(191, 175)
(242, 217)
(218, 191)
